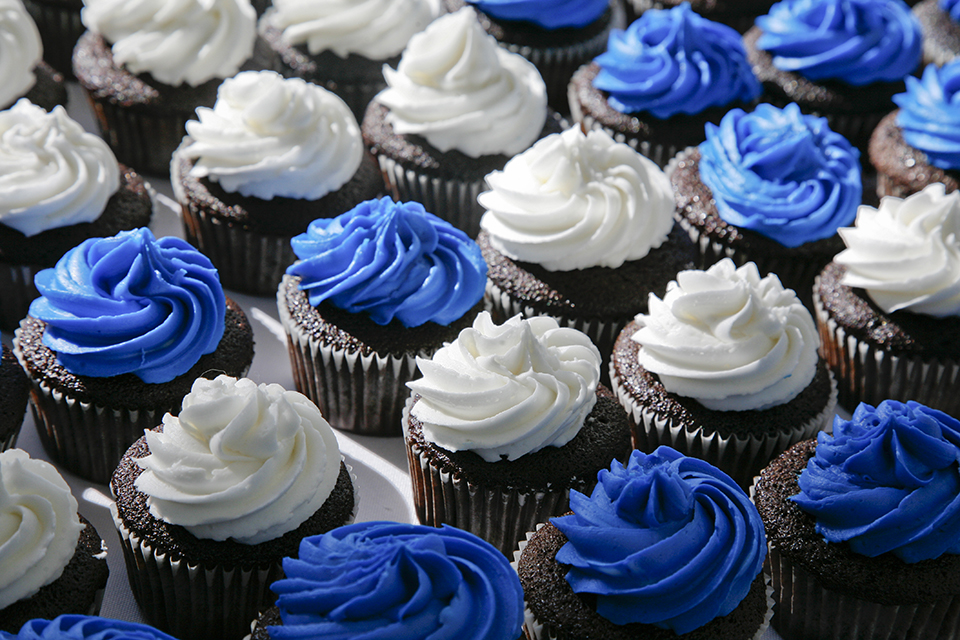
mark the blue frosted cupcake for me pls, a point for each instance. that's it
(78, 627)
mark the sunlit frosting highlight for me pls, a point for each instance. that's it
(20, 51)
(929, 115)
(548, 14)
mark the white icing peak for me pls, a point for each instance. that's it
(243, 461)
(374, 29)
(176, 41)
(20, 51)
(729, 339)
(52, 172)
(39, 525)
(906, 254)
(573, 201)
(267, 136)
(507, 390)
(460, 90)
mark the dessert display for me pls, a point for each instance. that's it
(24, 74)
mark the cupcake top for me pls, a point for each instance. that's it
(458, 89)
(52, 172)
(190, 41)
(665, 540)
(575, 200)
(781, 173)
(503, 391)
(728, 338)
(39, 525)
(887, 480)
(131, 304)
(951, 7)
(268, 136)
(374, 29)
(857, 42)
(20, 51)
(906, 253)
(929, 115)
(80, 627)
(673, 61)
(398, 581)
(268, 459)
(547, 14)
(390, 261)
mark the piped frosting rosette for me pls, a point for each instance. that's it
(20, 51)
(929, 117)
(548, 15)
(81, 627)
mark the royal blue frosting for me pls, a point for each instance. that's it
(549, 14)
(856, 41)
(674, 61)
(79, 627)
(665, 540)
(398, 581)
(887, 480)
(391, 260)
(131, 304)
(929, 115)
(952, 7)
(781, 173)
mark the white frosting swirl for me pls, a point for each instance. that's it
(507, 390)
(52, 172)
(176, 41)
(729, 339)
(20, 51)
(906, 254)
(374, 29)
(241, 461)
(268, 136)
(573, 201)
(460, 90)
(39, 525)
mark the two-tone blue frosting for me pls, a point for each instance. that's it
(131, 304)
(390, 260)
(781, 173)
(674, 61)
(951, 7)
(548, 14)
(80, 627)
(665, 540)
(929, 115)
(887, 480)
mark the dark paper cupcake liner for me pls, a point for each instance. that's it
(659, 153)
(60, 27)
(17, 291)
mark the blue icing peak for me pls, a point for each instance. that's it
(390, 260)
(929, 114)
(665, 540)
(952, 7)
(674, 61)
(80, 627)
(781, 173)
(549, 14)
(131, 304)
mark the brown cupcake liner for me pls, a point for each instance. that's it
(60, 27)
(17, 291)
(660, 153)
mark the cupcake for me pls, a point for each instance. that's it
(504, 422)
(864, 528)
(581, 228)
(80, 627)
(940, 25)
(661, 80)
(457, 107)
(888, 307)
(738, 14)
(209, 504)
(53, 559)
(374, 288)
(665, 547)
(123, 327)
(253, 171)
(14, 392)
(724, 367)
(24, 73)
(60, 186)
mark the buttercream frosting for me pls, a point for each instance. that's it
(390, 261)
(131, 304)
(503, 391)
(80, 627)
(952, 7)
(929, 115)
(52, 172)
(729, 339)
(268, 136)
(887, 480)
(459, 90)
(548, 14)
(575, 200)
(39, 525)
(781, 173)
(906, 253)
(20, 51)
(665, 540)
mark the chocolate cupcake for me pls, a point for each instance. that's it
(58, 22)
(14, 392)
(24, 73)
(940, 24)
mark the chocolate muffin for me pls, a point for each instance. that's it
(13, 399)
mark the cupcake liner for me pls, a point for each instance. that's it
(17, 291)
(856, 128)
(357, 96)
(10, 441)
(658, 152)
(60, 27)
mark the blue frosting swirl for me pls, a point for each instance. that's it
(80, 627)
(855, 41)
(674, 61)
(398, 581)
(390, 260)
(549, 14)
(665, 540)
(951, 7)
(781, 173)
(929, 115)
(887, 480)
(131, 304)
